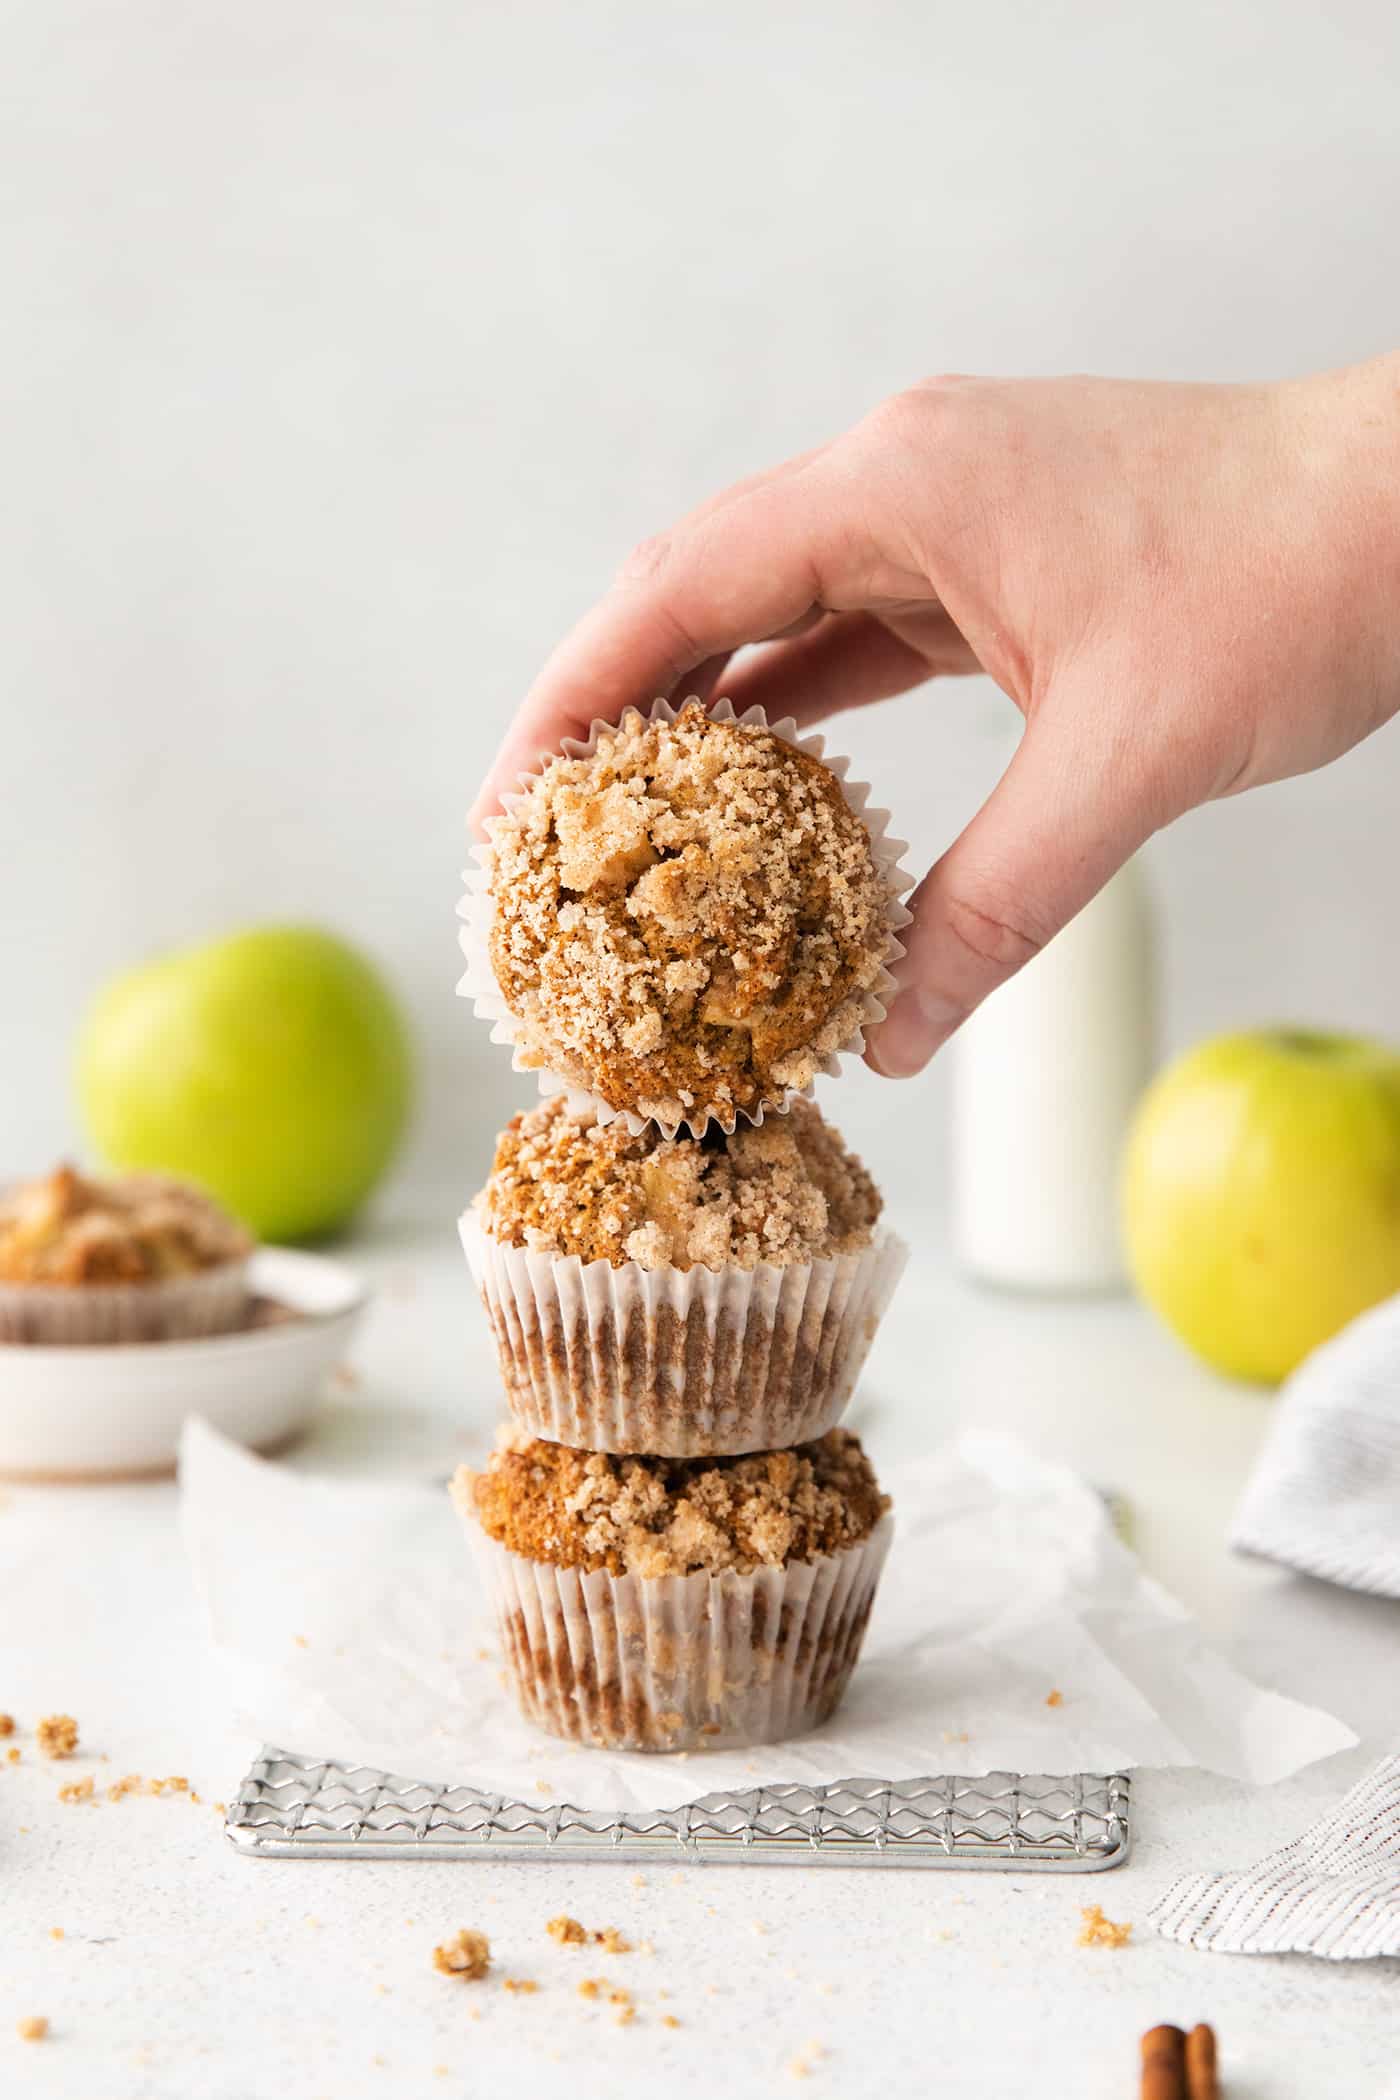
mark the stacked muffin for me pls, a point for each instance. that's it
(681, 922)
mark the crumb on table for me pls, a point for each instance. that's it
(76, 1790)
(33, 2029)
(467, 1954)
(13, 1756)
(592, 1987)
(7, 1724)
(1055, 1698)
(522, 1985)
(567, 1931)
(57, 1735)
(1099, 1931)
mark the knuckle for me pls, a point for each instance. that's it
(993, 933)
(647, 559)
(899, 420)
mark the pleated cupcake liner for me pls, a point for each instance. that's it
(681, 1662)
(477, 910)
(177, 1309)
(680, 1363)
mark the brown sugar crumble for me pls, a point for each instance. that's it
(522, 1985)
(567, 1931)
(783, 1191)
(1099, 1931)
(660, 1516)
(1054, 1699)
(76, 1790)
(139, 1228)
(467, 1954)
(32, 2029)
(687, 919)
(7, 1724)
(57, 1735)
(13, 1756)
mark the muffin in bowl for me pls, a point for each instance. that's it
(688, 919)
(137, 1258)
(681, 1296)
(650, 1604)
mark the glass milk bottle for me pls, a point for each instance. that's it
(1046, 1075)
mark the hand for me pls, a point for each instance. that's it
(1187, 591)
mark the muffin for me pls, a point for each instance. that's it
(135, 1259)
(686, 920)
(682, 1296)
(654, 1604)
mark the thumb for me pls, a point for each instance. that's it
(1061, 820)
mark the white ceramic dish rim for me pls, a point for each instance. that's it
(265, 1266)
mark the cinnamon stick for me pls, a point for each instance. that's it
(1164, 2065)
(1202, 2082)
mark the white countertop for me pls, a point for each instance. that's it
(186, 1969)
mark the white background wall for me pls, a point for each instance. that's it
(346, 347)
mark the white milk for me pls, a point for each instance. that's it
(1046, 1076)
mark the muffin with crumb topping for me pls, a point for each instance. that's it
(687, 920)
(659, 1604)
(137, 1258)
(681, 1296)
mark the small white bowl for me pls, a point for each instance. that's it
(113, 1413)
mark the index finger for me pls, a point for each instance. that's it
(734, 574)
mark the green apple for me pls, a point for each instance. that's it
(273, 1068)
(1262, 1194)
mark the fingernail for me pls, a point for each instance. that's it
(916, 1026)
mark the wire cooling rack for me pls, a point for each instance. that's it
(291, 1807)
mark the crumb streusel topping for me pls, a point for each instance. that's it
(141, 1228)
(687, 920)
(782, 1191)
(659, 1516)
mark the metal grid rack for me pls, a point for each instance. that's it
(292, 1807)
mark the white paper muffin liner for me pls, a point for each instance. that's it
(477, 910)
(681, 1662)
(182, 1308)
(681, 1363)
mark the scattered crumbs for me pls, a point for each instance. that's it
(524, 1986)
(962, 1737)
(624, 2011)
(120, 1788)
(669, 2020)
(645, 1947)
(483, 1655)
(7, 1724)
(301, 1640)
(757, 1925)
(33, 2029)
(1056, 1698)
(542, 1786)
(76, 1790)
(55, 1932)
(221, 1808)
(440, 2071)
(639, 1881)
(1099, 1931)
(382, 1989)
(195, 1798)
(567, 1931)
(612, 1941)
(57, 1735)
(12, 1756)
(592, 1987)
(467, 1954)
(806, 2060)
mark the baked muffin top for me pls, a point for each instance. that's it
(782, 1191)
(673, 1516)
(138, 1228)
(686, 921)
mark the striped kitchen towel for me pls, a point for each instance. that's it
(1335, 1891)
(1324, 1495)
